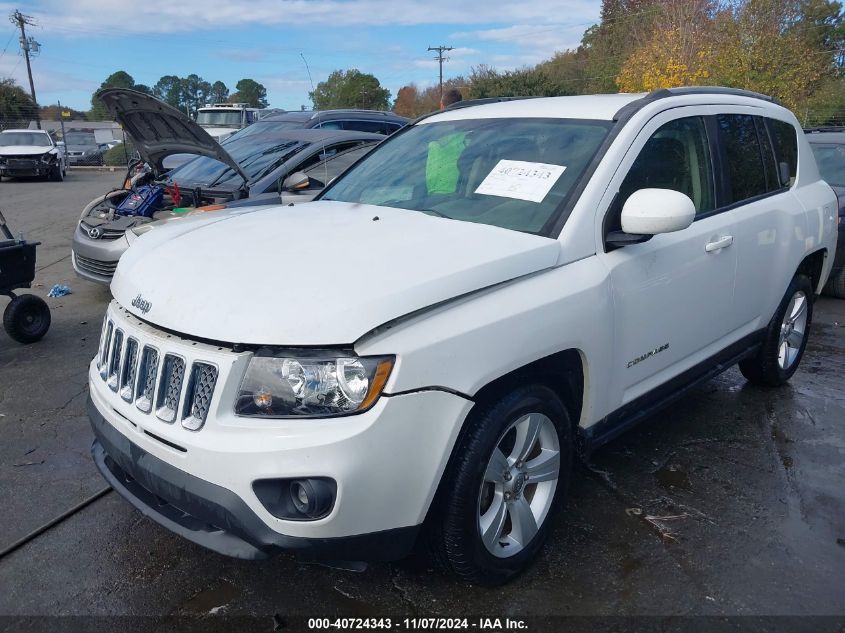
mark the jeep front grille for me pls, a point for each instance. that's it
(127, 371)
(170, 387)
(147, 372)
(198, 399)
(155, 381)
(114, 360)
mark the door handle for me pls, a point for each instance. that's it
(722, 242)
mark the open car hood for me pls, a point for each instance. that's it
(159, 130)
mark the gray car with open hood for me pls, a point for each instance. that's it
(276, 167)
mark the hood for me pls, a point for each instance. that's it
(24, 150)
(321, 273)
(160, 130)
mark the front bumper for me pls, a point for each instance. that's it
(387, 462)
(30, 168)
(214, 517)
(96, 260)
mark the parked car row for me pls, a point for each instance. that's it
(419, 355)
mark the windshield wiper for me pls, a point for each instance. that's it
(437, 213)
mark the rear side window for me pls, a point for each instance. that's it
(744, 160)
(376, 127)
(786, 145)
(770, 166)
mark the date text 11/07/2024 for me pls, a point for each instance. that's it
(490, 625)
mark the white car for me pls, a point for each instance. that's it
(492, 291)
(31, 153)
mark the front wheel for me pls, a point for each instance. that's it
(57, 174)
(785, 338)
(503, 486)
(27, 318)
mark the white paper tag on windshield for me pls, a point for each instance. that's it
(521, 180)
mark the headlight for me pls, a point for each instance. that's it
(312, 384)
(49, 157)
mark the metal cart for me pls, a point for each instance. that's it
(27, 317)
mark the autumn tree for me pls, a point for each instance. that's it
(350, 89)
(762, 45)
(406, 101)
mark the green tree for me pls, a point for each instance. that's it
(219, 92)
(250, 92)
(195, 93)
(119, 79)
(15, 104)
(169, 90)
(350, 89)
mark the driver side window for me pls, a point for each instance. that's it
(676, 157)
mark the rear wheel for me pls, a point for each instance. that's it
(503, 486)
(786, 337)
(835, 286)
(27, 318)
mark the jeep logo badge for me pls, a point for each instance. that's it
(142, 304)
(95, 233)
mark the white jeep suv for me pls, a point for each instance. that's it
(492, 291)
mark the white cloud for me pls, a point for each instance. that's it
(46, 80)
(92, 17)
(542, 39)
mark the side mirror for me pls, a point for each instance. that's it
(654, 211)
(297, 181)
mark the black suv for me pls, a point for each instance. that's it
(375, 121)
(828, 144)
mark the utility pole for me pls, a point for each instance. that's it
(27, 44)
(440, 59)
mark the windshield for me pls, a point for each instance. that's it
(512, 173)
(228, 118)
(80, 139)
(257, 157)
(831, 161)
(12, 139)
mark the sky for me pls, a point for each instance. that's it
(84, 41)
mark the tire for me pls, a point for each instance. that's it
(56, 174)
(785, 338)
(27, 318)
(835, 286)
(476, 496)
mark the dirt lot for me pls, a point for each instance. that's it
(730, 503)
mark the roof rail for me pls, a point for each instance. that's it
(663, 93)
(474, 102)
(826, 128)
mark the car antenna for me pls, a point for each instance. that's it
(323, 147)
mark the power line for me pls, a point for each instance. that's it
(440, 59)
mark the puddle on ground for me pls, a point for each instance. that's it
(210, 599)
(672, 476)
